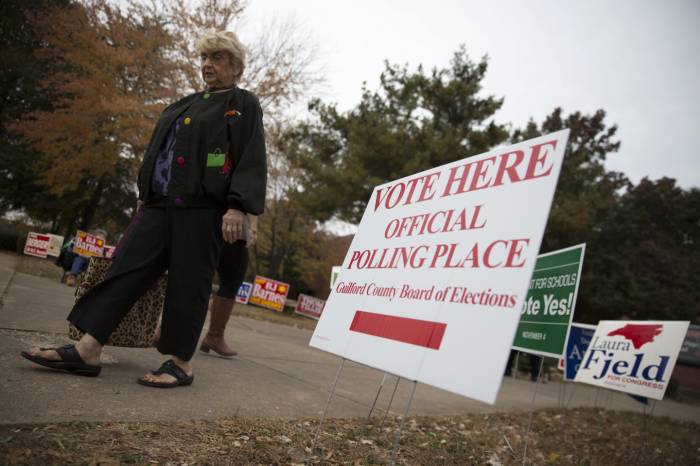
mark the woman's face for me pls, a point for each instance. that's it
(218, 70)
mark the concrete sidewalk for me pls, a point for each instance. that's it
(276, 375)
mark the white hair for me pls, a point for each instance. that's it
(228, 42)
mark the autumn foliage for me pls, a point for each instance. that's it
(112, 77)
(114, 66)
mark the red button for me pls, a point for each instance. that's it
(181, 160)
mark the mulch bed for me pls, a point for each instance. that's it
(571, 437)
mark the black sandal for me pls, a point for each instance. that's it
(169, 367)
(70, 361)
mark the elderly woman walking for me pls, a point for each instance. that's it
(204, 170)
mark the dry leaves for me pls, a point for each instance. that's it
(581, 436)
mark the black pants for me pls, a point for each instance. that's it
(186, 243)
(233, 263)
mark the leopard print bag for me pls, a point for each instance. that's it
(139, 326)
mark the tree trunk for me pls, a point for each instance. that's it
(91, 208)
(69, 230)
(272, 263)
(54, 223)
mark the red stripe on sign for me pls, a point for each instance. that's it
(414, 331)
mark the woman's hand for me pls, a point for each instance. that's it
(139, 204)
(232, 225)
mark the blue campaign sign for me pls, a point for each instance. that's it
(579, 338)
(243, 294)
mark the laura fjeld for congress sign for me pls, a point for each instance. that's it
(433, 283)
(635, 357)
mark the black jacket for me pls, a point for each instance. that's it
(219, 155)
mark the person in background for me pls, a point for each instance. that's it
(233, 263)
(65, 258)
(80, 263)
(534, 366)
(509, 364)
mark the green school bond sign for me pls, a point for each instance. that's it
(549, 305)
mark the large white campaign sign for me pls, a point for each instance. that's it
(433, 283)
(635, 357)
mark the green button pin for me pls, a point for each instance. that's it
(206, 96)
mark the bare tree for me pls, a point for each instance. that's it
(281, 62)
(282, 67)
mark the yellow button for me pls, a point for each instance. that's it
(188, 120)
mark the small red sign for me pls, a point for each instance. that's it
(37, 245)
(109, 251)
(309, 306)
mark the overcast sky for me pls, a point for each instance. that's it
(638, 60)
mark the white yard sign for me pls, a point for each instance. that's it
(635, 357)
(433, 283)
(55, 245)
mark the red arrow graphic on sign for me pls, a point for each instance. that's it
(413, 331)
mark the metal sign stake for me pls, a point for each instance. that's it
(571, 396)
(403, 419)
(374, 403)
(328, 403)
(645, 415)
(391, 400)
(562, 394)
(532, 409)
